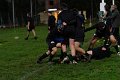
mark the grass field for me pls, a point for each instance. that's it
(18, 60)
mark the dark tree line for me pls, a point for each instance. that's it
(91, 6)
(22, 7)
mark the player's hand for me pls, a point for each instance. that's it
(64, 23)
(103, 48)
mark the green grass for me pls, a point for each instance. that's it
(18, 60)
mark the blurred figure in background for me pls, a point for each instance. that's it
(51, 21)
(30, 27)
(114, 30)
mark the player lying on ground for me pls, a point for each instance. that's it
(99, 52)
(102, 32)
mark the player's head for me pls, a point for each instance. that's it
(64, 6)
(100, 26)
(107, 7)
(75, 11)
(113, 7)
(28, 14)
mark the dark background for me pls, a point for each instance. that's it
(23, 6)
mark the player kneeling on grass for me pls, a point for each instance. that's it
(54, 41)
(100, 33)
(52, 49)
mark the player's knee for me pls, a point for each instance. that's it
(54, 49)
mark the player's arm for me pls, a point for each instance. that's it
(69, 23)
(91, 28)
(105, 14)
(112, 16)
(49, 24)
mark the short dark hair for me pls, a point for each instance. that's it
(64, 6)
(75, 11)
(115, 6)
(107, 7)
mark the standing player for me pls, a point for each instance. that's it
(68, 21)
(79, 33)
(114, 31)
(30, 26)
(51, 21)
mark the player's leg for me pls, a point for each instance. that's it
(53, 52)
(78, 48)
(81, 51)
(46, 54)
(28, 33)
(92, 42)
(113, 38)
(73, 51)
(34, 33)
(119, 41)
(63, 53)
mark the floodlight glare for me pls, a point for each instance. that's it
(52, 9)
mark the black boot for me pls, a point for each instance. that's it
(73, 59)
(116, 48)
(35, 38)
(26, 38)
(61, 55)
(88, 57)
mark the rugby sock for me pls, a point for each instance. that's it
(116, 48)
(51, 57)
(88, 56)
(73, 58)
(62, 55)
(85, 55)
(43, 56)
(27, 37)
(89, 49)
